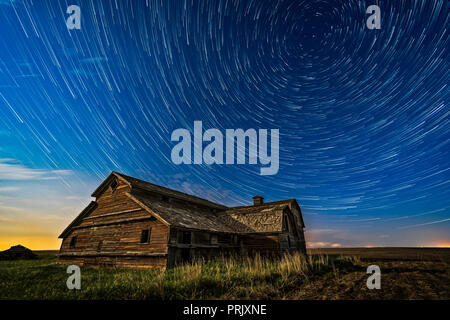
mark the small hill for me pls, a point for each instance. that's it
(17, 253)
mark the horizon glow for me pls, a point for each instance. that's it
(363, 119)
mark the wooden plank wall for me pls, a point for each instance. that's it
(114, 228)
(114, 201)
(300, 240)
(115, 262)
(118, 238)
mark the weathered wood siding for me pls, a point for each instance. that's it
(299, 240)
(292, 238)
(118, 238)
(114, 201)
(116, 262)
(111, 234)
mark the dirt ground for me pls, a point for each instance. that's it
(406, 273)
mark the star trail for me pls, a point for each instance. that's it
(362, 114)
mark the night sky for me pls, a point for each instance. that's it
(363, 114)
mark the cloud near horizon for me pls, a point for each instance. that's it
(12, 171)
(323, 245)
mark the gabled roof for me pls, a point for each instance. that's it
(291, 203)
(188, 217)
(147, 186)
(246, 219)
(90, 207)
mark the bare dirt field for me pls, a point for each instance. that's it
(404, 254)
(406, 273)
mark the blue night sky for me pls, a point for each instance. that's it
(363, 114)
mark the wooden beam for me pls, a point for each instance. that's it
(193, 246)
(114, 222)
(113, 254)
(112, 214)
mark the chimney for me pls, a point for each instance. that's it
(257, 200)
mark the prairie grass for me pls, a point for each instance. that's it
(231, 278)
(316, 276)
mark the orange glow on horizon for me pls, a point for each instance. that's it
(34, 233)
(32, 243)
(442, 245)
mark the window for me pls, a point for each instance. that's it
(114, 185)
(73, 241)
(185, 237)
(145, 236)
(164, 199)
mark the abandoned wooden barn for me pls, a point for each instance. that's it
(133, 223)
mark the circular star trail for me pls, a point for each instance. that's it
(363, 114)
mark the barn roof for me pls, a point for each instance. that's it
(91, 206)
(135, 183)
(246, 219)
(259, 218)
(191, 212)
(183, 216)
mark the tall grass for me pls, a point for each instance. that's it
(236, 277)
(224, 278)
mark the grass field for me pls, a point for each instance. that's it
(406, 273)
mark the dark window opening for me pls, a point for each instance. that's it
(165, 199)
(145, 236)
(186, 237)
(289, 242)
(73, 241)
